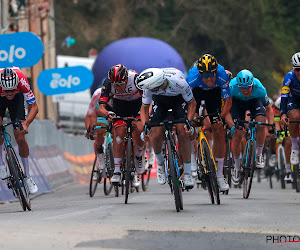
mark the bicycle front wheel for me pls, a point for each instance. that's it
(128, 164)
(211, 170)
(176, 187)
(146, 178)
(281, 165)
(249, 169)
(109, 167)
(17, 179)
(95, 178)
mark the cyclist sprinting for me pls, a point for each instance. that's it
(248, 93)
(287, 142)
(127, 101)
(290, 105)
(92, 119)
(168, 89)
(209, 82)
(14, 87)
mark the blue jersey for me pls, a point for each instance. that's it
(195, 80)
(258, 91)
(290, 88)
(291, 85)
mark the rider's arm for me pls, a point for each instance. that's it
(34, 109)
(144, 113)
(284, 97)
(227, 107)
(277, 119)
(269, 114)
(191, 109)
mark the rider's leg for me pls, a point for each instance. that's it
(219, 147)
(118, 144)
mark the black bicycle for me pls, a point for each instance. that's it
(172, 159)
(228, 160)
(128, 166)
(16, 179)
(103, 175)
(146, 175)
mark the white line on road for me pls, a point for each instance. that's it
(80, 212)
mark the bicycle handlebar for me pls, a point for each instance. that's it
(166, 123)
(16, 124)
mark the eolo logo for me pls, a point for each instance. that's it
(18, 53)
(22, 49)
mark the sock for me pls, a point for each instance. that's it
(295, 144)
(25, 165)
(187, 167)
(220, 162)
(117, 165)
(140, 151)
(211, 143)
(237, 162)
(288, 168)
(159, 158)
(192, 147)
(259, 149)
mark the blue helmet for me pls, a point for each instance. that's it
(244, 78)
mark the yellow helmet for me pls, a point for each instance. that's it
(207, 64)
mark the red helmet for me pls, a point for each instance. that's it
(118, 74)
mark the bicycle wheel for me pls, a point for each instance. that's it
(204, 178)
(94, 181)
(128, 164)
(249, 169)
(211, 170)
(281, 165)
(146, 178)
(175, 182)
(17, 179)
(109, 169)
(297, 178)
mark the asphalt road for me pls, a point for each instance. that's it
(68, 218)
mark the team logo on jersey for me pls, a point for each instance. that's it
(285, 90)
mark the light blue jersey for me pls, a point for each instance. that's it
(258, 91)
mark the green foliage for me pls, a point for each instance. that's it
(257, 35)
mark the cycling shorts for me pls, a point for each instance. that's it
(15, 107)
(161, 104)
(213, 100)
(239, 108)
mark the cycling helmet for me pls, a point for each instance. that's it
(244, 78)
(150, 78)
(207, 64)
(9, 79)
(118, 74)
(296, 60)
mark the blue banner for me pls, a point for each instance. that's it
(21, 49)
(65, 80)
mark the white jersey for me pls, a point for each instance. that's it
(177, 85)
(94, 101)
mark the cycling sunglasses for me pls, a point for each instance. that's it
(211, 75)
(297, 69)
(245, 87)
(118, 83)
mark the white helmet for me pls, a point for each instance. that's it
(9, 79)
(150, 78)
(296, 60)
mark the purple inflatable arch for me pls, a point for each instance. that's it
(137, 53)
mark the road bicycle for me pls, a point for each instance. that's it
(228, 159)
(296, 171)
(248, 165)
(206, 165)
(147, 174)
(16, 179)
(128, 164)
(173, 165)
(103, 175)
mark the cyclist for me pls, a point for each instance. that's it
(127, 101)
(248, 93)
(91, 119)
(287, 142)
(14, 87)
(167, 89)
(209, 82)
(290, 105)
